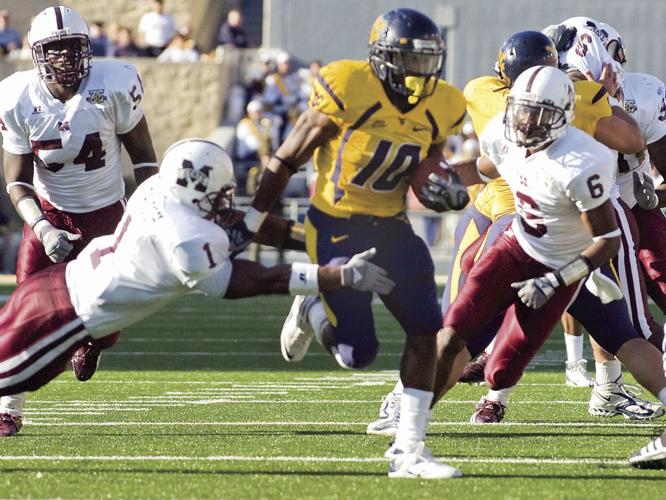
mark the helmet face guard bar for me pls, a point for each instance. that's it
(530, 124)
(216, 205)
(63, 59)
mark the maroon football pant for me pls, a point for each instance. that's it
(652, 252)
(39, 332)
(31, 255)
(487, 292)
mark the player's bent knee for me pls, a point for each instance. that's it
(501, 378)
(356, 356)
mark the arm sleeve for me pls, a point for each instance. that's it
(203, 265)
(15, 139)
(328, 94)
(489, 141)
(127, 96)
(591, 187)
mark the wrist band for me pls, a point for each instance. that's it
(574, 271)
(144, 164)
(29, 211)
(293, 168)
(303, 280)
(608, 236)
(24, 184)
(254, 219)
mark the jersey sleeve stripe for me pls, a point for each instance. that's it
(459, 120)
(433, 123)
(339, 193)
(602, 92)
(328, 89)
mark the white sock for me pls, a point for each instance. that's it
(414, 417)
(662, 396)
(500, 395)
(574, 347)
(491, 346)
(398, 387)
(607, 372)
(12, 404)
(317, 318)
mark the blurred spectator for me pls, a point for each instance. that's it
(182, 49)
(308, 75)
(124, 45)
(100, 43)
(231, 31)
(10, 39)
(256, 137)
(156, 29)
(282, 94)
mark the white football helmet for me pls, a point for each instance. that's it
(539, 107)
(199, 173)
(60, 43)
(614, 44)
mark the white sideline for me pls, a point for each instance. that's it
(465, 423)
(310, 459)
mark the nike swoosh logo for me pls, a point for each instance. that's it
(419, 129)
(338, 239)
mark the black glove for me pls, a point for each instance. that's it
(562, 36)
(440, 194)
(644, 191)
(240, 237)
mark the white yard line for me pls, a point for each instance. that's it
(311, 459)
(464, 423)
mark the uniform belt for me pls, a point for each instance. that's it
(374, 220)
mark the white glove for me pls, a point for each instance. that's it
(362, 275)
(57, 242)
(535, 292)
(644, 191)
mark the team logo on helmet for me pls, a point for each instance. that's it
(379, 27)
(630, 106)
(188, 174)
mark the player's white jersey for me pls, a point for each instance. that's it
(551, 188)
(77, 151)
(161, 250)
(645, 101)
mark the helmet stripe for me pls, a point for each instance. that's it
(58, 14)
(528, 88)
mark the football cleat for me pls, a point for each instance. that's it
(612, 399)
(473, 371)
(297, 333)
(576, 374)
(85, 361)
(389, 416)
(10, 425)
(652, 455)
(488, 412)
(417, 462)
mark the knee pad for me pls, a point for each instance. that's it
(355, 356)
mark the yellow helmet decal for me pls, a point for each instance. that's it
(378, 27)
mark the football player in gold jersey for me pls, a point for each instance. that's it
(369, 123)
(494, 208)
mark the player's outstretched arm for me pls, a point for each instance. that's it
(139, 146)
(275, 232)
(620, 132)
(602, 224)
(249, 279)
(18, 174)
(477, 171)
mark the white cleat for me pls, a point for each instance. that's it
(576, 374)
(612, 399)
(416, 462)
(389, 416)
(651, 456)
(297, 333)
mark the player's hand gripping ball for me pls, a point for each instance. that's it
(437, 186)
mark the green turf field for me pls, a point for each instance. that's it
(197, 402)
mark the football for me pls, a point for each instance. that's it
(428, 165)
